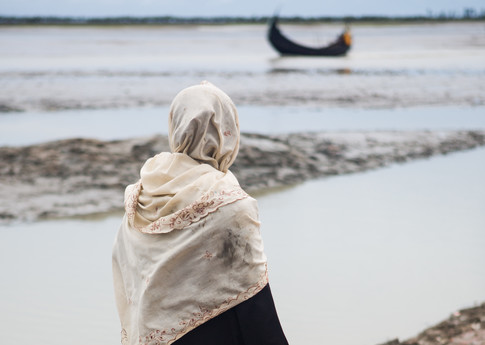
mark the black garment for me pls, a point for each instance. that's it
(252, 322)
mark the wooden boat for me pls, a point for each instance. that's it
(287, 47)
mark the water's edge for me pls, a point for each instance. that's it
(79, 177)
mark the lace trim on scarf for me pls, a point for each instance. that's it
(168, 336)
(208, 203)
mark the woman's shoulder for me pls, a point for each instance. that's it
(247, 207)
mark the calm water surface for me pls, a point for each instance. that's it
(191, 49)
(355, 259)
(90, 67)
(368, 257)
(36, 127)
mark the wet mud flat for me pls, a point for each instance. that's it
(388, 66)
(71, 90)
(77, 177)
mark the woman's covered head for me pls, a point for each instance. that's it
(203, 123)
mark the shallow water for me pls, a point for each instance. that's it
(167, 50)
(56, 68)
(36, 127)
(354, 259)
(379, 255)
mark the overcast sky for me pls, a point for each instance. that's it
(233, 7)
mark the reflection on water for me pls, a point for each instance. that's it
(382, 72)
(353, 260)
(310, 71)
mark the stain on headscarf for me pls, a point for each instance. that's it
(230, 247)
(248, 253)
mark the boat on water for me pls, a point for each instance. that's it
(285, 46)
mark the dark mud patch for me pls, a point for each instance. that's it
(77, 177)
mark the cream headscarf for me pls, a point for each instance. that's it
(203, 123)
(189, 246)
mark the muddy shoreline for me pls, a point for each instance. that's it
(463, 327)
(26, 91)
(78, 177)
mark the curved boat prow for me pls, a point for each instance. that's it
(287, 47)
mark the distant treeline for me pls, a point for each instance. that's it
(468, 14)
